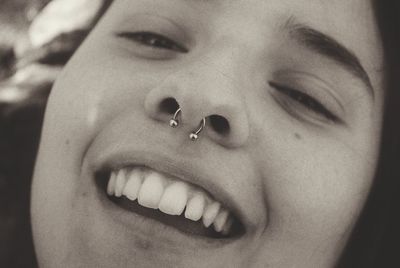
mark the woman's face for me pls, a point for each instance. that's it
(292, 95)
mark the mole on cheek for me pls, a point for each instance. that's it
(297, 136)
(143, 245)
(67, 142)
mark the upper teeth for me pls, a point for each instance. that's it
(170, 195)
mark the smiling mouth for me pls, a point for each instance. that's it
(169, 200)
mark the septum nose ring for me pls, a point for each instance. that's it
(174, 122)
(194, 135)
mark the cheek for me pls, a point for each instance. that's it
(95, 87)
(92, 90)
(315, 186)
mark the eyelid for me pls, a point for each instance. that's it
(163, 26)
(320, 110)
(285, 103)
(175, 46)
(313, 86)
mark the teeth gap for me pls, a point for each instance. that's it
(102, 178)
(236, 229)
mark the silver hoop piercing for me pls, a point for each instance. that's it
(174, 122)
(195, 134)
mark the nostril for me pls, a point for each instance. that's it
(168, 106)
(219, 124)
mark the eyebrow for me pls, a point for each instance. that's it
(329, 47)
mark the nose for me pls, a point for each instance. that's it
(208, 88)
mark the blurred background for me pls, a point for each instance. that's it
(15, 16)
(19, 134)
(37, 38)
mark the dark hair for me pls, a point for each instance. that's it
(375, 239)
(373, 243)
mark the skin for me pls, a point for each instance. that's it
(298, 179)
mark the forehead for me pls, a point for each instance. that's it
(334, 13)
(352, 23)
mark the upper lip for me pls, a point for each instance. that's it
(114, 158)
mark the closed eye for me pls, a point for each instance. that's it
(153, 40)
(306, 101)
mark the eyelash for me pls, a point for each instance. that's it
(307, 101)
(154, 40)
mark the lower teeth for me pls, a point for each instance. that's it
(179, 222)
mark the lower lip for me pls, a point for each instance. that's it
(152, 230)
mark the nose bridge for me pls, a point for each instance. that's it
(211, 84)
(221, 62)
